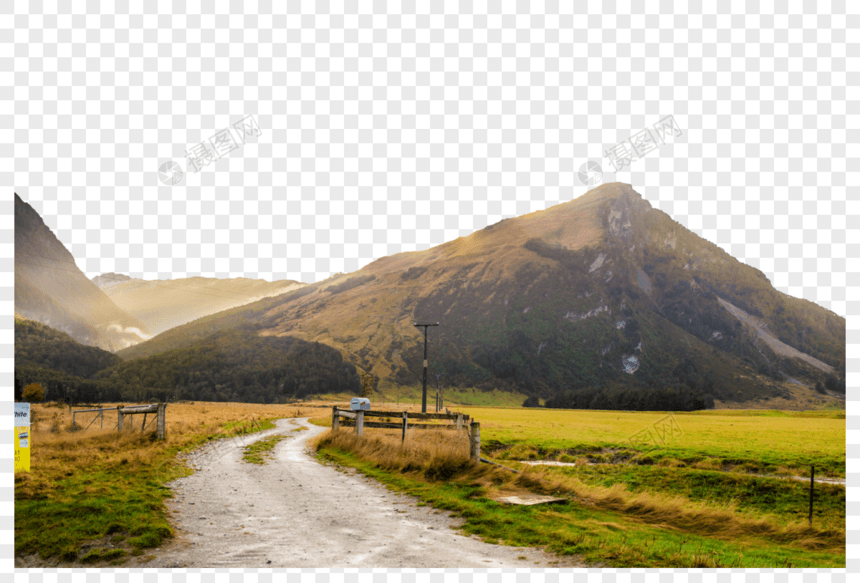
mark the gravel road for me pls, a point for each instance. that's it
(296, 512)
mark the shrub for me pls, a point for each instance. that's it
(34, 393)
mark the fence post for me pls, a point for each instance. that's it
(335, 419)
(102, 415)
(119, 420)
(811, 488)
(359, 422)
(475, 442)
(73, 418)
(403, 438)
(459, 421)
(143, 425)
(161, 421)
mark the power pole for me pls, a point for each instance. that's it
(424, 393)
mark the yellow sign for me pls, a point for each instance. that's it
(22, 437)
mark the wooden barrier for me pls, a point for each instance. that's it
(159, 409)
(342, 418)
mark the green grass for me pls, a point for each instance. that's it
(600, 537)
(103, 555)
(762, 442)
(260, 451)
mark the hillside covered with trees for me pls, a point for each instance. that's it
(226, 366)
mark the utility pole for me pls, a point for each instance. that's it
(424, 393)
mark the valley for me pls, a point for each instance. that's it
(676, 401)
(695, 500)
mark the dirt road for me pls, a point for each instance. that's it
(295, 512)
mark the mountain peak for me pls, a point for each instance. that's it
(609, 191)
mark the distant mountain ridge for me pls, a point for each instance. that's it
(164, 304)
(107, 280)
(603, 291)
(50, 289)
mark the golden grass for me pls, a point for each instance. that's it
(678, 512)
(181, 417)
(435, 454)
(56, 451)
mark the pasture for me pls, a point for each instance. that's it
(752, 441)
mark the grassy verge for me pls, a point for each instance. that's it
(260, 451)
(605, 526)
(96, 496)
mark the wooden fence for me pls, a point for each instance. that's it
(158, 411)
(406, 419)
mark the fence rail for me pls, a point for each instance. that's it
(340, 417)
(158, 410)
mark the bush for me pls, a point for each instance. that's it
(531, 401)
(34, 393)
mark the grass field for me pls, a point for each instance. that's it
(752, 441)
(692, 500)
(97, 496)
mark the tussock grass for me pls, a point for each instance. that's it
(437, 455)
(681, 513)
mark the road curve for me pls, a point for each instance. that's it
(295, 512)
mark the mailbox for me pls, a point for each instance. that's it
(359, 404)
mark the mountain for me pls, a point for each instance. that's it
(603, 293)
(37, 345)
(162, 305)
(49, 288)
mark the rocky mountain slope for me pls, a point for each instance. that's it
(49, 288)
(164, 304)
(602, 291)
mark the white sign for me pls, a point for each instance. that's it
(22, 414)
